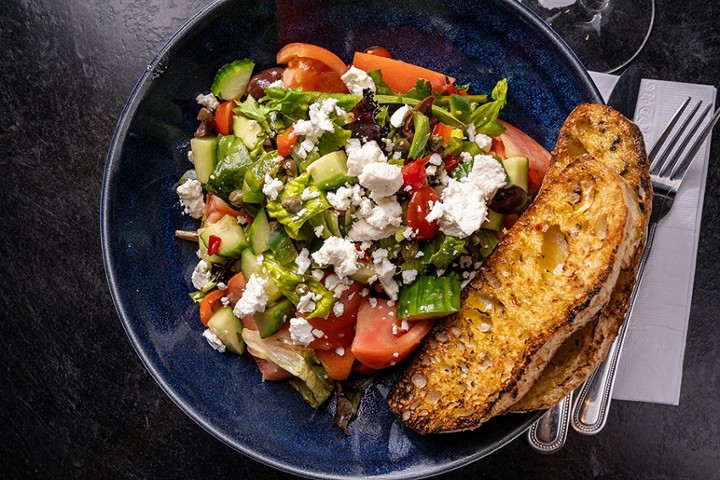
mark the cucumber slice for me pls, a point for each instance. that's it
(228, 329)
(203, 252)
(274, 317)
(249, 265)
(232, 79)
(364, 273)
(330, 171)
(204, 152)
(259, 232)
(281, 245)
(232, 237)
(249, 131)
(429, 297)
(517, 170)
(494, 221)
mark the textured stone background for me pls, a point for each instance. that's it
(76, 401)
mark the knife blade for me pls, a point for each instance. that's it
(625, 93)
(548, 434)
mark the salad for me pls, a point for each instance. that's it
(343, 209)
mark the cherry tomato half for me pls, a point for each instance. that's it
(418, 209)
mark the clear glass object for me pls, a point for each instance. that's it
(606, 35)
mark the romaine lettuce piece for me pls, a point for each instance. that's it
(312, 381)
(485, 116)
(442, 250)
(233, 162)
(294, 218)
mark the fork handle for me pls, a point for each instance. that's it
(593, 398)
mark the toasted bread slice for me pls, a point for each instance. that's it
(546, 279)
(610, 138)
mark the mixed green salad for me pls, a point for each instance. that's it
(343, 209)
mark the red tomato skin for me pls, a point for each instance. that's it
(443, 130)
(515, 142)
(417, 211)
(307, 50)
(414, 175)
(339, 330)
(379, 51)
(380, 341)
(285, 142)
(224, 117)
(312, 76)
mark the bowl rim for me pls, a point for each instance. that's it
(154, 68)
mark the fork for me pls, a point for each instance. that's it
(590, 409)
(667, 170)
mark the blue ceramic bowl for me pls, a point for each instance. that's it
(148, 269)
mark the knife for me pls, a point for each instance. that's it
(548, 434)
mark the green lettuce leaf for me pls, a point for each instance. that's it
(293, 221)
(485, 116)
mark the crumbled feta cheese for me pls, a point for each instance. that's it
(201, 275)
(318, 123)
(471, 132)
(306, 303)
(436, 212)
(303, 261)
(373, 302)
(319, 230)
(360, 155)
(340, 253)
(276, 84)
(225, 301)
(382, 179)
(221, 286)
(464, 203)
(191, 198)
(483, 141)
(272, 187)
(409, 233)
(191, 159)
(317, 274)
(213, 340)
(431, 170)
(309, 194)
(208, 101)
(340, 351)
(346, 196)
(398, 118)
(301, 332)
(435, 159)
(254, 299)
(404, 326)
(409, 276)
(419, 254)
(377, 220)
(385, 270)
(338, 309)
(357, 80)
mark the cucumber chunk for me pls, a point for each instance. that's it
(259, 232)
(517, 170)
(364, 273)
(281, 245)
(330, 171)
(494, 220)
(232, 79)
(204, 153)
(232, 237)
(249, 131)
(228, 329)
(274, 317)
(429, 297)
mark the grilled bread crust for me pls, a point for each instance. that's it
(609, 137)
(551, 274)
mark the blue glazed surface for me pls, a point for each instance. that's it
(148, 270)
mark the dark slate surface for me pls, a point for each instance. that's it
(77, 402)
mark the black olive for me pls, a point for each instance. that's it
(509, 199)
(258, 82)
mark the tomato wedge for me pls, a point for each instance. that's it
(380, 340)
(336, 365)
(216, 208)
(210, 304)
(339, 330)
(418, 208)
(307, 50)
(515, 143)
(414, 174)
(401, 76)
(285, 141)
(224, 117)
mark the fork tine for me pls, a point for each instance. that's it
(670, 166)
(660, 141)
(679, 171)
(658, 165)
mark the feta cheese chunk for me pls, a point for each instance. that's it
(358, 156)
(302, 333)
(303, 261)
(272, 187)
(254, 299)
(340, 253)
(357, 80)
(214, 341)
(385, 270)
(201, 275)
(191, 198)
(398, 118)
(208, 101)
(318, 123)
(382, 179)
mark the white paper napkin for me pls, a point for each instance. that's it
(650, 367)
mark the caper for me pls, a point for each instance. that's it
(292, 204)
(290, 167)
(435, 143)
(409, 251)
(302, 289)
(401, 145)
(509, 199)
(236, 198)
